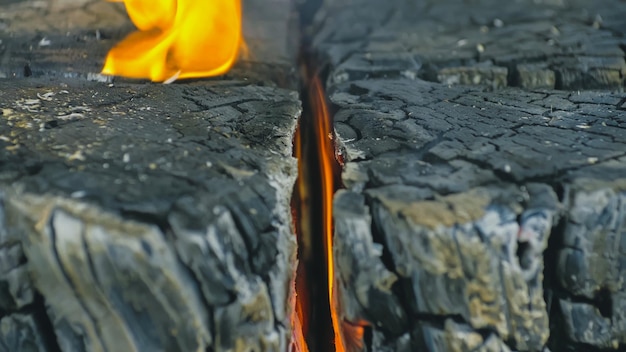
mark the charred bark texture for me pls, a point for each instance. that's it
(143, 217)
(476, 219)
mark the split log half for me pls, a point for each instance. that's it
(473, 218)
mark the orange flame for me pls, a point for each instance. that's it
(299, 317)
(298, 342)
(178, 39)
(347, 337)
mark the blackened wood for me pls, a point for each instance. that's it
(140, 216)
(531, 44)
(475, 219)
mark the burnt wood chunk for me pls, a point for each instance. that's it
(475, 219)
(138, 216)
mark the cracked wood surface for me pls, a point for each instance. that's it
(563, 44)
(143, 217)
(473, 218)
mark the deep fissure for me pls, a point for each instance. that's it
(318, 177)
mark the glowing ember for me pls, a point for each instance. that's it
(299, 301)
(178, 39)
(298, 343)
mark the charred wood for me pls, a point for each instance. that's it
(569, 45)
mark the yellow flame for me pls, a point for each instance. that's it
(178, 39)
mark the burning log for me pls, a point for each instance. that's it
(474, 219)
(143, 217)
(151, 217)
